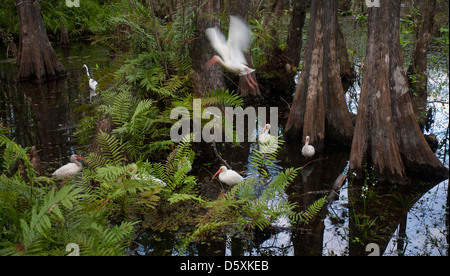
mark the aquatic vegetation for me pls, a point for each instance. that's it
(37, 218)
(139, 184)
(99, 209)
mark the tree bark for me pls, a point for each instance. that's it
(346, 67)
(386, 128)
(319, 106)
(64, 36)
(417, 71)
(37, 58)
(205, 80)
(294, 40)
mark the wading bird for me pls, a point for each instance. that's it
(92, 83)
(228, 177)
(70, 169)
(308, 150)
(146, 176)
(264, 135)
(230, 52)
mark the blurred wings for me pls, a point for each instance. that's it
(238, 41)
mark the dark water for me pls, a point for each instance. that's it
(45, 115)
(409, 220)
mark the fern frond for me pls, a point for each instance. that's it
(39, 224)
(175, 198)
(310, 213)
(222, 97)
(119, 108)
(111, 148)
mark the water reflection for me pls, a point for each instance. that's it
(42, 115)
(410, 220)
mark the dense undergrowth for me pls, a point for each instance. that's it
(137, 177)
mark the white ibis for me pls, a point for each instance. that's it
(264, 135)
(308, 150)
(230, 52)
(228, 177)
(150, 178)
(70, 169)
(92, 83)
(146, 177)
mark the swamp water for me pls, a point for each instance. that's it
(360, 220)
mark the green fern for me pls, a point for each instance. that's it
(111, 148)
(242, 208)
(36, 226)
(265, 156)
(101, 240)
(310, 213)
(11, 152)
(139, 128)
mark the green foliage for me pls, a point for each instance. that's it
(91, 17)
(160, 64)
(148, 75)
(9, 20)
(243, 208)
(310, 213)
(140, 130)
(12, 154)
(265, 156)
(36, 218)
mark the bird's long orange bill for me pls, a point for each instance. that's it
(81, 158)
(219, 171)
(262, 130)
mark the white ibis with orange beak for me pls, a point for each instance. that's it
(308, 150)
(228, 177)
(264, 135)
(70, 169)
(230, 52)
(92, 83)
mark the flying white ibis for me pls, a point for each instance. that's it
(264, 135)
(70, 169)
(308, 150)
(231, 51)
(228, 177)
(92, 83)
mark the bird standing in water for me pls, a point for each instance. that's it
(308, 150)
(264, 135)
(92, 83)
(228, 177)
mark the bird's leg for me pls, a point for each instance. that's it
(248, 81)
(251, 78)
(211, 62)
(229, 188)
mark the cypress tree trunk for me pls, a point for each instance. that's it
(205, 80)
(417, 71)
(37, 58)
(294, 40)
(319, 107)
(386, 129)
